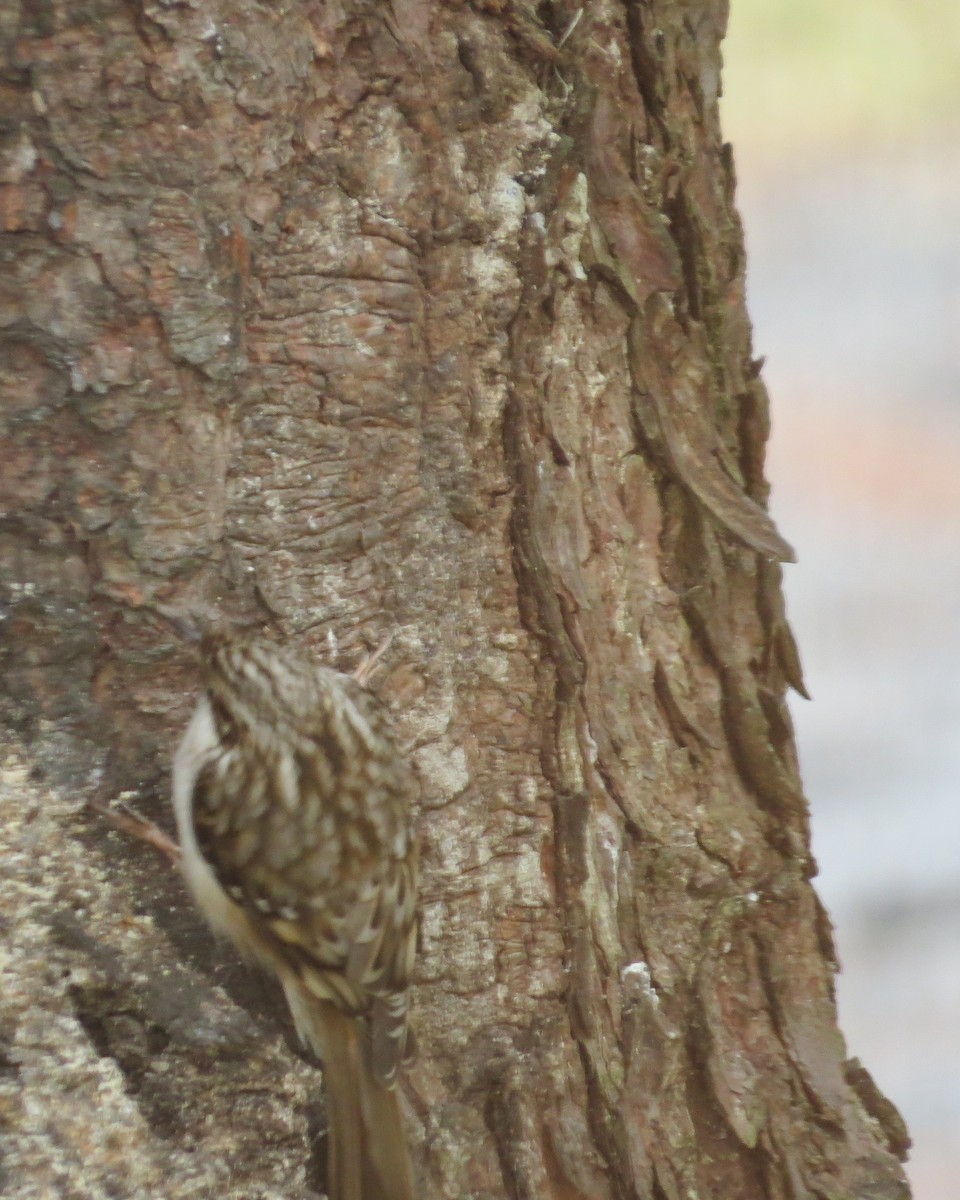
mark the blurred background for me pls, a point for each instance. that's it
(845, 120)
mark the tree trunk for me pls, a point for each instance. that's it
(362, 319)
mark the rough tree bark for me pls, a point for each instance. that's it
(356, 319)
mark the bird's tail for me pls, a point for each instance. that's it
(367, 1156)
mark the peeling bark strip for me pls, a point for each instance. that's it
(680, 400)
(428, 320)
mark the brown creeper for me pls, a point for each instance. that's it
(293, 806)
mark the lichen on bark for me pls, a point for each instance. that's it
(423, 320)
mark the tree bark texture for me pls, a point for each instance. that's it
(419, 319)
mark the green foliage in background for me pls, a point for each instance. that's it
(827, 75)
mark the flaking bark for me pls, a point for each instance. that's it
(429, 321)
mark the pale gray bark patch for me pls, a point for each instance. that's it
(426, 321)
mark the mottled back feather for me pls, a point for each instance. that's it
(304, 815)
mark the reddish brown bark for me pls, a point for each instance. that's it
(425, 320)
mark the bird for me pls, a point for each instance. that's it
(295, 814)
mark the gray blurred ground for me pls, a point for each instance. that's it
(854, 289)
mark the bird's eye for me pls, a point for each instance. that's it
(227, 729)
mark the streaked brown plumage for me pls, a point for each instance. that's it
(293, 806)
